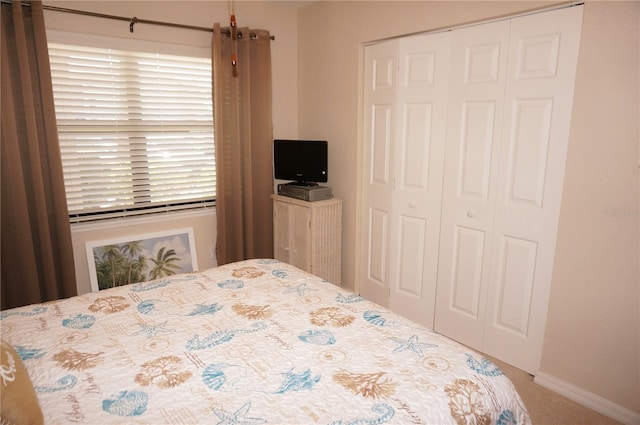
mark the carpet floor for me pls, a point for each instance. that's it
(547, 407)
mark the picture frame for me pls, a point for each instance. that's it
(138, 258)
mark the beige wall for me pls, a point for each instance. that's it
(593, 329)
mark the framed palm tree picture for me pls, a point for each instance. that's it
(138, 258)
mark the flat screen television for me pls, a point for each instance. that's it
(304, 161)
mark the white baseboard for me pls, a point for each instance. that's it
(588, 399)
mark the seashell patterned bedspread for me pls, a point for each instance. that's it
(252, 342)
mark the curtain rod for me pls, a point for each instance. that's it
(134, 20)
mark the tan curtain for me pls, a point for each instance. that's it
(36, 252)
(243, 138)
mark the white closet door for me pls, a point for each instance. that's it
(476, 103)
(465, 138)
(538, 102)
(377, 181)
(418, 163)
(498, 246)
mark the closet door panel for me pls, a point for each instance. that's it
(476, 150)
(377, 243)
(419, 141)
(539, 92)
(529, 150)
(515, 278)
(410, 257)
(417, 123)
(380, 146)
(476, 103)
(482, 60)
(377, 179)
(466, 278)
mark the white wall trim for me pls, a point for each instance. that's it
(588, 399)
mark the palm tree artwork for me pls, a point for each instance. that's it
(139, 260)
(165, 263)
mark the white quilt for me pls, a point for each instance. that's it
(252, 342)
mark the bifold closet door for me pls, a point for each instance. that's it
(418, 164)
(377, 180)
(504, 174)
(406, 84)
(476, 104)
(464, 144)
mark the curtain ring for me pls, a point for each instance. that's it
(132, 22)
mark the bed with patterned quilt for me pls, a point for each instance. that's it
(251, 342)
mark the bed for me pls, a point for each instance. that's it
(252, 342)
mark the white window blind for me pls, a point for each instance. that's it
(135, 128)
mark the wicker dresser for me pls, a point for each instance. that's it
(309, 235)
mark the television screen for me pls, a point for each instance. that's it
(304, 161)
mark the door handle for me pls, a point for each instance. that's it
(471, 213)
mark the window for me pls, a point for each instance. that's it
(135, 130)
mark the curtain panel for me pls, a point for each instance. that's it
(243, 140)
(36, 252)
